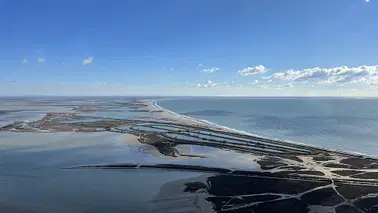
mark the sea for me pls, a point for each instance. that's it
(346, 124)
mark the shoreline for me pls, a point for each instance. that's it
(153, 104)
(168, 114)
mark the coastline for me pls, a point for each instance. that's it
(186, 119)
(168, 114)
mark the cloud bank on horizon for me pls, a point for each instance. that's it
(363, 75)
(335, 75)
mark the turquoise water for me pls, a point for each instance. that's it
(337, 123)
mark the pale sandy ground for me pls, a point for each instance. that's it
(130, 139)
(170, 116)
(173, 199)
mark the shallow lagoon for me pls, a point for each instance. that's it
(34, 173)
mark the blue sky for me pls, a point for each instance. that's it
(196, 47)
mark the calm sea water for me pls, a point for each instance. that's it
(337, 123)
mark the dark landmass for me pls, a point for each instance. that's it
(293, 157)
(366, 175)
(346, 172)
(210, 112)
(322, 158)
(139, 110)
(270, 163)
(3, 112)
(363, 163)
(258, 194)
(298, 172)
(134, 104)
(337, 165)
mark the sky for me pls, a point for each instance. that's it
(189, 47)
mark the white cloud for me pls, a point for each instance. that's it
(229, 84)
(371, 80)
(251, 70)
(336, 75)
(24, 61)
(265, 84)
(41, 60)
(367, 0)
(207, 84)
(88, 60)
(200, 65)
(211, 70)
(283, 86)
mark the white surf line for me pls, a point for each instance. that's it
(154, 104)
(199, 121)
